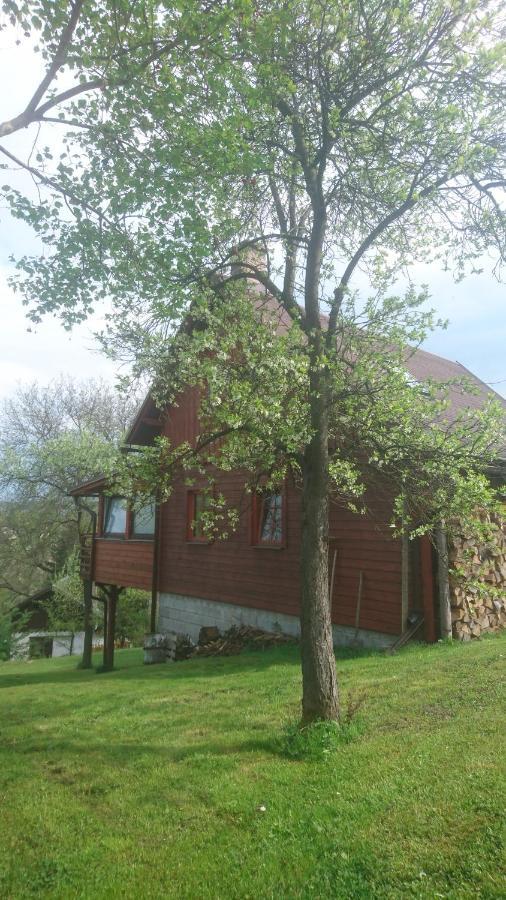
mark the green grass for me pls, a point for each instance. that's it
(151, 781)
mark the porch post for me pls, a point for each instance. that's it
(427, 584)
(154, 573)
(86, 662)
(443, 585)
(111, 627)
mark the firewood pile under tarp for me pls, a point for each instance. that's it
(230, 643)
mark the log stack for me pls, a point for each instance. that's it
(238, 638)
(478, 579)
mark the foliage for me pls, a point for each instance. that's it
(384, 429)
(51, 438)
(132, 617)
(267, 95)
(65, 609)
(268, 150)
(11, 622)
(187, 758)
(285, 125)
(317, 740)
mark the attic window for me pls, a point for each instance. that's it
(115, 516)
(268, 520)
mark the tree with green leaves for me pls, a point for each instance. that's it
(221, 187)
(12, 621)
(65, 607)
(52, 437)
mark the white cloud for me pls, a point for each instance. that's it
(46, 350)
(476, 312)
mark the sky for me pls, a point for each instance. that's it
(476, 307)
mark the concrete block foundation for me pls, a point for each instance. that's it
(187, 615)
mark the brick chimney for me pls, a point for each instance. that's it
(255, 255)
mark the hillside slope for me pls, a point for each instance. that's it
(171, 781)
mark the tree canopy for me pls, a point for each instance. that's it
(272, 149)
(52, 437)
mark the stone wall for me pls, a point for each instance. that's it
(478, 578)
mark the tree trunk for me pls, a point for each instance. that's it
(86, 662)
(320, 696)
(104, 649)
(154, 573)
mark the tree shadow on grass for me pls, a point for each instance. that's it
(126, 753)
(133, 669)
(188, 670)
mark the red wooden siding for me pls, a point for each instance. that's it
(181, 423)
(233, 571)
(364, 544)
(126, 563)
(236, 571)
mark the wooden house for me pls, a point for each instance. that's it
(379, 585)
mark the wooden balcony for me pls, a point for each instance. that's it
(127, 563)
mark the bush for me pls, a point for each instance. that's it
(132, 619)
(5, 629)
(318, 740)
(11, 622)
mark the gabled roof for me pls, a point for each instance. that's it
(420, 364)
(424, 366)
(36, 598)
(146, 425)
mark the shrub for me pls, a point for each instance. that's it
(318, 740)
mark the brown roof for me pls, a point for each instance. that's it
(421, 365)
(424, 366)
(146, 424)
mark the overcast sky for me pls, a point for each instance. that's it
(476, 307)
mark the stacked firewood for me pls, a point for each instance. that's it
(230, 643)
(478, 580)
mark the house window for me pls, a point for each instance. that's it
(197, 504)
(115, 516)
(143, 521)
(268, 524)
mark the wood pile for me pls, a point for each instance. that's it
(478, 580)
(231, 643)
(184, 647)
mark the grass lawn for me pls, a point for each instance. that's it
(171, 781)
